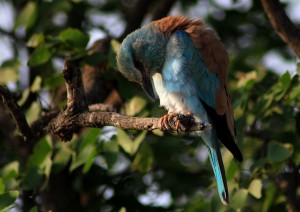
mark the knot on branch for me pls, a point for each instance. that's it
(76, 101)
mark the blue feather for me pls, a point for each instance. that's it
(185, 74)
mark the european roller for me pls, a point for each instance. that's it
(182, 62)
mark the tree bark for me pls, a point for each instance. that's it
(287, 31)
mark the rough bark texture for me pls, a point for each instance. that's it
(285, 28)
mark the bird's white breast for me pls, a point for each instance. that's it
(173, 102)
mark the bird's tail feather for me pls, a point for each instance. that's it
(218, 168)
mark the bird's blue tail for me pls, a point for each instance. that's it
(217, 164)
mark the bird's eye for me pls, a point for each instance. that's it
(137, 64)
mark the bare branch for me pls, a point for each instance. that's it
(16, 113)
(288, 32)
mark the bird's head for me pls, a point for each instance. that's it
(141, 55)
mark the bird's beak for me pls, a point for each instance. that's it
(148, 88)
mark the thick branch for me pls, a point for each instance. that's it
(288, 32)
(16, 113)
(64, 125)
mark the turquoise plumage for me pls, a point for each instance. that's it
(183, 64)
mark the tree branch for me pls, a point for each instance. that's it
(16, 113)
(77, 114)
(288, 32)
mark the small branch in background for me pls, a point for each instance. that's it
(17, 114)
(162, 9)
(288, 182)
(288, 32)
(135, 15)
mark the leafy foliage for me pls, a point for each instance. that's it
(112, 169)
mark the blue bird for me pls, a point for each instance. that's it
(183, 63)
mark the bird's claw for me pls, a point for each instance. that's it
(174, 122)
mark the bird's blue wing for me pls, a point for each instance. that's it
(184, 64)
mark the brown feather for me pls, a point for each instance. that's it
(214, 56)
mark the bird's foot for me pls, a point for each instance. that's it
(176, 122)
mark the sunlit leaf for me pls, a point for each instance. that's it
(39, 56)
(27, 16)
(135, 105)
(9, 174)
(239, 198)
(32, 114)
(124, 141)
(9, 71)
(35, 40)
(130, 146)
(255, 188)
(36, 85)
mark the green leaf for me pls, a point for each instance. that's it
(255, 188)
(298, 68)
(216, 204)
(110, 146)
(62, 157)
(285, 80)
(27, 16)
(135, 105)
(270, 194)
(39, 165)
(54, 81)
(87, 151)
(239, 198)
(7, 199)
(113, 50)
(130, 146)
(9, 71)
(32, 114)
(36, 85)
(278, 152)
(9, 173)
(41, 152)
(143, 160)
(2, 186)
(110, 152)
(74, 38)
(39, 56)
(35, 40)
(34, 209)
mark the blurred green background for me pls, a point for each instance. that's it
(110, 169)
